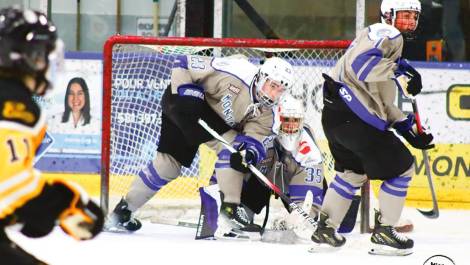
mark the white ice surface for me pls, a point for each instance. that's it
(164, 244)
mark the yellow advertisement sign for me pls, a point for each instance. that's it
(450, 171)
(458, 102)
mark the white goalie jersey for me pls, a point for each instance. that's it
(306, 152)
(295, 171)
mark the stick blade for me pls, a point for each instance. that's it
(432, 214)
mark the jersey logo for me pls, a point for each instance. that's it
(304, 149)
(234, 89)
(227, 110)
(379, 31)
(268, 142)
(197, 63)
(17, 110)
(344, 94)
(193, 93)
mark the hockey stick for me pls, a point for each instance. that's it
(434, 213)
(266, 181)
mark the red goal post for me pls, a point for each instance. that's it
(136, 71)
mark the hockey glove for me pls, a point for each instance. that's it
(241, 159)
(407, 129)
(250, 152)
(407, 79)
(83, 219)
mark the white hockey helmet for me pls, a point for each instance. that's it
(389, 9)
(291, 119)
(275, 70)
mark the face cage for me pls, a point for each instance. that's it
(408, 35)
(290, 125)
(262, 97)
(290, 131)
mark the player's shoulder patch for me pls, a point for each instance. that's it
(308, 153)
(24, 112)
(238, 67)
(381, 30)
(234, 89)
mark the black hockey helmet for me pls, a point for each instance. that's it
(27, 38)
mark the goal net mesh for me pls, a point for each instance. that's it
(139, 74)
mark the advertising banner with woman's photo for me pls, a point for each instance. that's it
(73, 106)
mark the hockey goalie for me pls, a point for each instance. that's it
(293, 163)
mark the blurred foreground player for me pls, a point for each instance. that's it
(357, 117)
(27, 41)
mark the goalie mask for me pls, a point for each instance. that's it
(28, 40)
(273, 78)
(402, 14)
(291, 120)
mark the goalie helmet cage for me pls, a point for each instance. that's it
(136, 70)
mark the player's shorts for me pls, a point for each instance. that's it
(181, 134)
(359, 147)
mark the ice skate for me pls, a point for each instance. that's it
(386, 241)
(234, 223)
(122, 219)
(326, 234)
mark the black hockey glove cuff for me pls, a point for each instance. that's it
(82, 219)
(414, 85)
(406, 128)
(407, 78)
(250, 151)
(241, 159)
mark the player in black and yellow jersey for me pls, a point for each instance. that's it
(27, 42)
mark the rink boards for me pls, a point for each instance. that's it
(444, 106)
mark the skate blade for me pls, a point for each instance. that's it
(226, 231)
(322, 248)
(383, 250)
(238, 235)
(113, 227)
(117, 229)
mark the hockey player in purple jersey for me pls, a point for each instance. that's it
(358, 119)
(235, 98)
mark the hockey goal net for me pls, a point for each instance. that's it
(137, 71)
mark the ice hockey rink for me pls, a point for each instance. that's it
(448, 235)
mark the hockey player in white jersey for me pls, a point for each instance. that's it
(357, 119)
(235, 98)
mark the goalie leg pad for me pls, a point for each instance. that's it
(210, 205)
